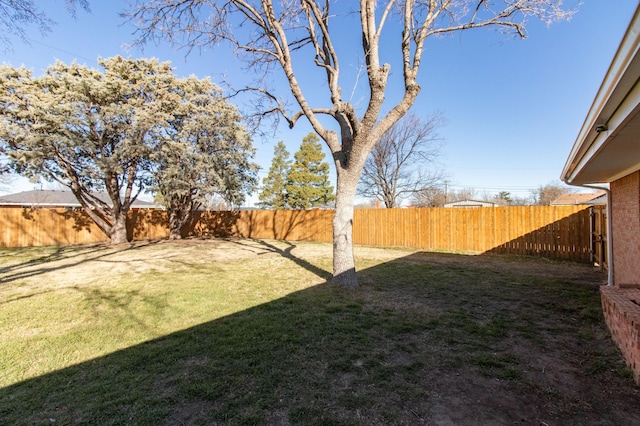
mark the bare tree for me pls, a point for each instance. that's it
(288, 35)
(461, 194)
(398, 165)
(520, 201)
(6, 181)
(545, 194)
(17, 15)
(505, 198)
(431, 196)
(437, 196)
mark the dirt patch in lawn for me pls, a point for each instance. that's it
(428, 338)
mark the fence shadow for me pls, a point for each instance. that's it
(563, 239)
(35, 226)
(213, 224)
(293, 225)
(143, 224)
(404, 342)
(81, 221)
(554, 231)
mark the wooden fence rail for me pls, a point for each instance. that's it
(552, 231)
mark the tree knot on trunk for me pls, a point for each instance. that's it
(413, 88)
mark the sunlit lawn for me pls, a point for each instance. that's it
(247, 332)
(68, 305)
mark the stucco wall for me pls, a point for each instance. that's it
(625, 218)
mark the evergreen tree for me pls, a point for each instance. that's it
(273, 194)
(205, 152)
(308, 180)
(129, 126)
(91, 130)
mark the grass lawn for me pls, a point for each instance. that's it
(244, 332)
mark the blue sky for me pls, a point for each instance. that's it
(513, 107)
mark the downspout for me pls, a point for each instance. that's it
(609, 230)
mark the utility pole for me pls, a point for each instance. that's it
(446, 188)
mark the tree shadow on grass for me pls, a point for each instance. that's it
(419, 342)
(287, 253)
(69, 256)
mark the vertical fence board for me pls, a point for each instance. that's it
(553, 231)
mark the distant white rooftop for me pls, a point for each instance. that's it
(57, 198)
(470, 203)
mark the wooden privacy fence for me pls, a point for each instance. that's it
(553, 231)
(599, 236)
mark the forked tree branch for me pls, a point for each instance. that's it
(266, 29)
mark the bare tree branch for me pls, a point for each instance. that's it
(288, 35)
(17, 15)
(403, 161)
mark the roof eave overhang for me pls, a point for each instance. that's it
(615, 108)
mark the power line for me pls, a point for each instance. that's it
(74, 55)
(60, 50)
(501, 168)
(514, 188)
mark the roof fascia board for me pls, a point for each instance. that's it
(608, 95)
(628, 108)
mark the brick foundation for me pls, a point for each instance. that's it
(621, 308)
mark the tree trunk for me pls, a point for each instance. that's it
(176, 223)
(118, 232)
(175, 234)
(344, 269)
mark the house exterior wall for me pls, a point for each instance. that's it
(621, 301)
(625, 218)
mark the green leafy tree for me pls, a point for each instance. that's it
(308, 179)
(273, 194)
(88, 130)
(205, 152)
